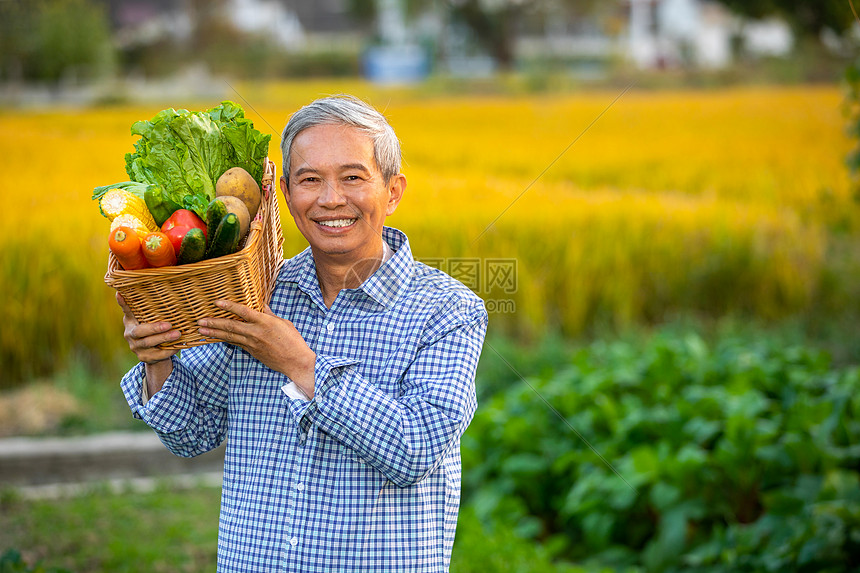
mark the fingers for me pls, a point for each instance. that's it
(230, 330)
(122, 304)
(268, 310)
(226, 329)
(160, 330)
(144, 340)
(247, 332)
(246, 313)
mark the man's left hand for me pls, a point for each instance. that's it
(272, 340)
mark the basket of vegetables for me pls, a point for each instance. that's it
(197, 222)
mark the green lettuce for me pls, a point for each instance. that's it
(186, 152)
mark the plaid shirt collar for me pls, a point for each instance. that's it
(383, 287)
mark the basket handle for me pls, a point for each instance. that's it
(268, 180)
(268, 177)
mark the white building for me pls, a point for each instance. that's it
(270, 18)
(696, 32)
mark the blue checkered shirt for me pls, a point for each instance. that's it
(366, 475)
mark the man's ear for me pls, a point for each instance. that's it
(396, 188)
(285, 189)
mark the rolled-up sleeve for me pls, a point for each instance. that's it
(405, 436)
(189, 413)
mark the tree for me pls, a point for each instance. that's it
(807, 17)
(494, 23)
(50, 39)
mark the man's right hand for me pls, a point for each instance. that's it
(143, 340)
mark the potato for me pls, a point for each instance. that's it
(236, 182)
(235, 205)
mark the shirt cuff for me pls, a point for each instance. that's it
(171, 408)
(327, 374)
(292, 390)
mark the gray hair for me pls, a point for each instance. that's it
(351, 111)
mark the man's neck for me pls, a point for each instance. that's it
(338, 272)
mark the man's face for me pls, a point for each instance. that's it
(337, 195)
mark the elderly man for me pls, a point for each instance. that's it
(343, 402)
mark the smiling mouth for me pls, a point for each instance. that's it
(337, 223)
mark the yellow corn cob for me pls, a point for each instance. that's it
(134, 222)
(118, 202)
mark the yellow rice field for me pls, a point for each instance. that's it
(711, 202)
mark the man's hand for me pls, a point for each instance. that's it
(143, 340)
(272, 340)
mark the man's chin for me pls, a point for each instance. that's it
(331, 248)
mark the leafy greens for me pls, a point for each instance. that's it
(186, 152)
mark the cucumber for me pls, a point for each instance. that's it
(215, 213)
(225, 241)
(193, 247)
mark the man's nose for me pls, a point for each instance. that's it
(331, 195)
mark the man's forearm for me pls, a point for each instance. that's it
(156, 375)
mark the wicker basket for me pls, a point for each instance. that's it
(181, 295)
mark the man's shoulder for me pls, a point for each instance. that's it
(430, 277)
(299, 259)
(295, 266)
(443, 302)
(430, 283)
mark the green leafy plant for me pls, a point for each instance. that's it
(185, 152)
(11, 562)
(677, 455)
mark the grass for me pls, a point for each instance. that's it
(166, 530)
(175, 530)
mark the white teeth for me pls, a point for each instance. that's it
(337, 223)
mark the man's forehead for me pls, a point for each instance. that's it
(332, 146)
(335, 130)
(303, 167)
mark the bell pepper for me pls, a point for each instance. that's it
(179, 223)
(159, 204)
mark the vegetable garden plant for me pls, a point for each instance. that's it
(674, 455)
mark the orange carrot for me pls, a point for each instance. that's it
(158, 250)
(124, 243)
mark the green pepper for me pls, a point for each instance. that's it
(161, 206)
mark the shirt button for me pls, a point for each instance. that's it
(329, 327)
(294, 541)
(300, 486)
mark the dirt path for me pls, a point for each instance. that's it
(49, 464)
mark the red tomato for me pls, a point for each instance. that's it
(178, 224)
